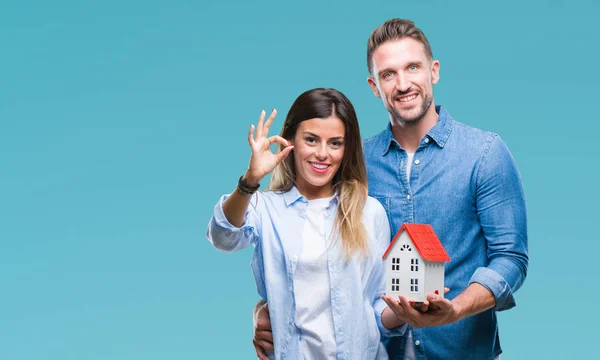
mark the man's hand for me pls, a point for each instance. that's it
(434, 311)
(263, 335)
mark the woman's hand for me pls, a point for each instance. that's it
(263, 161)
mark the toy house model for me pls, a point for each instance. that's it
(414, 263)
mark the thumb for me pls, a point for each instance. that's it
(283, 154)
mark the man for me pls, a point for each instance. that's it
(428, 168)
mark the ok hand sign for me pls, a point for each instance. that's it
(263, 161)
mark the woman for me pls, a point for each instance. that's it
(318, 237)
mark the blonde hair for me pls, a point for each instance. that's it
(350, 181)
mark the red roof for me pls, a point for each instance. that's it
(425, 240)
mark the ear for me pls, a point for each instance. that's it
(435, 71)
(373, 86)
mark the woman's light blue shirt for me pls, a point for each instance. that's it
(274, 224)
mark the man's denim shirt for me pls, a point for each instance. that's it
(273, 224)
(464, 182)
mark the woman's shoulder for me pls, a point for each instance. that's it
(269, 199)
(374, 208)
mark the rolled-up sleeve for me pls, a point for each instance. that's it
(383, 238)
(502, 213)
(379, 306)
(228, 238)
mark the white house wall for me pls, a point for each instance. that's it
(434, 277)
(404, 275)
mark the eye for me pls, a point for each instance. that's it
(337, 143)
(387, 75)
(413, 68)
(310, 140)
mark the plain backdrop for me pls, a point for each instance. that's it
(122, 122)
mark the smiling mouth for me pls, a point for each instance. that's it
(318, 167)
(406, 98)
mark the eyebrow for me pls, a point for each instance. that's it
(317, 136)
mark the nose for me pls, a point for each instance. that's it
(403, 83)
(321, 152)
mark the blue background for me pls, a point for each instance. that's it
(121, 123)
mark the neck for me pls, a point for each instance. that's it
(311, 192)
(409, 134)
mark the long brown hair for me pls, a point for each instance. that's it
(350, 181)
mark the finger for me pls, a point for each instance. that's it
(269, 122)
(264, 335)
(284, 153)
(446, 290)
(425, 306)
(390, 301)
(259, 127)
(263, 323)
(277, 139)
(268, 346)
(408, 309)
(394, 306)
(437, 300)
(260, 352)
(250, 135)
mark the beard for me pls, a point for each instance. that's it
(411, 116)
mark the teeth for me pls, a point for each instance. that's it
(408, 98)
(319, 166)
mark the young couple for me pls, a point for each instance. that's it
(318, 235)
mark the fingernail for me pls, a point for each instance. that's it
(436, 292)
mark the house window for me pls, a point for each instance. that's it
(414, 285)
(405, 247)
(395, 284)
(414, 264)
(395, 264)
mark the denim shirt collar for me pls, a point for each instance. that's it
(439, 133)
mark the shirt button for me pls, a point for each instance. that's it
(427, 140)
(294, 258)
(408, 196)
(417, 161)
(417, 342)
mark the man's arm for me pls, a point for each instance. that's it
(502, 214)
(500, 202)
(475, 299)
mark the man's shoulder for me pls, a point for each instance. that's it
(468, 134)
(471, 129)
